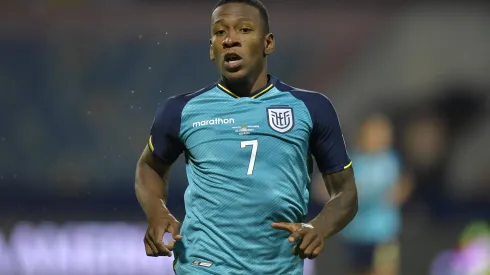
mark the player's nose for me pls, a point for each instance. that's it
(231, 41)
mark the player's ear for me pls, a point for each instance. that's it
(270, 44)
(211, 54)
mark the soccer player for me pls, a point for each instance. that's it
(247, 141)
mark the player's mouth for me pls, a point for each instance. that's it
(232, 61)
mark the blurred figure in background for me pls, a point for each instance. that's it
(372, 236)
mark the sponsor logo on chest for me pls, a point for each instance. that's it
(215, 121)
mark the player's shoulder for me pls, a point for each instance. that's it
(175, 104)
(312, 99)
(186, 97)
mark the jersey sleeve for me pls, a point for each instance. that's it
(164, 141)
(327, 141)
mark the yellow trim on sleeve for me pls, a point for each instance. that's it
(150, 144)
(348, 165)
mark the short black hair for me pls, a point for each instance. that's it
(254, 3)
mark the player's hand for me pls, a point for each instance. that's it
(154, 245)
(311, 241)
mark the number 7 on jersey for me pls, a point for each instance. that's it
(254, 144)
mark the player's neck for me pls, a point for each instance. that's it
(247, 86)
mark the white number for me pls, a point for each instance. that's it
(254, 144)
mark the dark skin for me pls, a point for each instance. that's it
(238, 28)
(335, 215)
(151, 186)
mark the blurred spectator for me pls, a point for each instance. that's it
(372, 237)
(443, 143)
(425, 149)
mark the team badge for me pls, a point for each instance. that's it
(280, 118)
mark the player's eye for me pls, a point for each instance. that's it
(219, 32)
(245, 30)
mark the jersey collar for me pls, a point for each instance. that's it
(270, 84)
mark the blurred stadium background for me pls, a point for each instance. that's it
(80, 82)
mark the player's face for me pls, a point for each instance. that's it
(238, 42)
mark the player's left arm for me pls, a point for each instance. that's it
(328, 146)
(342, 205)
(335, 215)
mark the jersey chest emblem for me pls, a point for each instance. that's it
(280, 118)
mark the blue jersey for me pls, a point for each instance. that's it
(248, 163)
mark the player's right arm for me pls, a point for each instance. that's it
(151, 186)
(151, 179)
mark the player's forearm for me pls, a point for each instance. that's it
(151, 191)
(342, 206)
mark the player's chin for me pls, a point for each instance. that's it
(234, 73)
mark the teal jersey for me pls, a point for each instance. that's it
(248, 163)
(378, 219)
